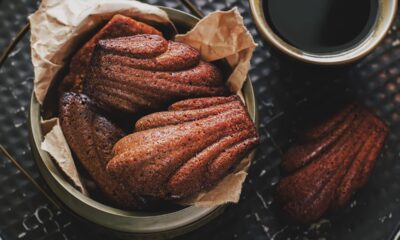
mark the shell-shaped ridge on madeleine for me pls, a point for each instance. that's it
(118, 26)
(177, 153)
(147, 72)
(333, 161)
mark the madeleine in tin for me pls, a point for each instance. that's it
(145, 117)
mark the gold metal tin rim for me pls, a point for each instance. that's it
(136, 223)
(386, 13)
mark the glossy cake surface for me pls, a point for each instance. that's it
(333, 160)
(147, 72)
(177, 153)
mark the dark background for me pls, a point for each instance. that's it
(288, 94)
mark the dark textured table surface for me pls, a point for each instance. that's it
(287, 94)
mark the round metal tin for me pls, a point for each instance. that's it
(125, 224)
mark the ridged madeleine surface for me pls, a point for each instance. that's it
(177, 153)
(147, 72)
(118, 26)
(333, 161)
(91, 138)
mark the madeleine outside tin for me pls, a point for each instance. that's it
(125, 224)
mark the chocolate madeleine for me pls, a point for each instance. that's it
(91, 138)
(147, 72)
(118, 26)
(334, 160)
(177, 153)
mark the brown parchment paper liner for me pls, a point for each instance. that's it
(57, 146)
(222, 34)
(57, 25)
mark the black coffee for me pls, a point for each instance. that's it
(321, 26)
